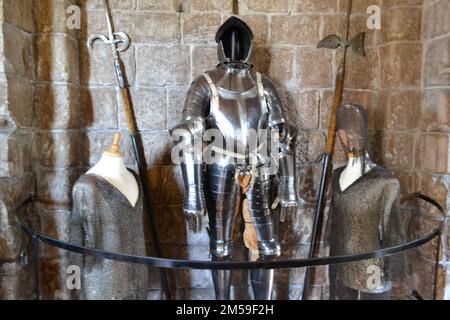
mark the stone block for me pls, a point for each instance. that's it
(18, 286)
(221, 6)
(421, 280)
(280, 67)
(298, 230)
(326, 103)
(317, 6)
(310, 146)
(57, 106)
(146, 27)
(19, 13)
(315, 68)
(204, 58)
(95, 142)
(259, 25)
(261, 59)
(309, 109)
(55, 224)
(401, 3)
(435, 111)
(170, 223)
(296, 30)
(57, 58)
(59, 149)
(398, 150)
(401, 64)
(437, 61)
(172, 185)
(359, 6)
(267, 5)
(403, 108)
(158, 147)
(17, 50)
(97, 65)
(309, 180)
(196, 278)
(51, 16)
(92, 21)
(403, 23)
(20, 101)
(432, 153)
(56, 186)
(114, 4)
(437, 20)
(436, 187)
(17, 156)
(53, 279)
(200, 27)
(162, 65)
(363, 71)
(99, 107)
(177, 97)
(156, 5)
(150, 107)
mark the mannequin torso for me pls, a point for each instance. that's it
(114, 171)
(111, 167)
(353, 172)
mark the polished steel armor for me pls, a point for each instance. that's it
(238, 103)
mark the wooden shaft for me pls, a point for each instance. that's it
(337, 100)
(128, 110)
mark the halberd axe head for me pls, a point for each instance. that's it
(333, 42)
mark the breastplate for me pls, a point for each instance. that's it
(237, 110)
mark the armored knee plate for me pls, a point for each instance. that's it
(221, 250)
(269, 249)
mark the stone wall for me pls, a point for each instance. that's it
(75, 113)
(433, 143)
(17, 78)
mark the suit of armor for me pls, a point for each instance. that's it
(237, 102)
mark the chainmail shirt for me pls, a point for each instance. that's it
(103, 218)
(363, 218)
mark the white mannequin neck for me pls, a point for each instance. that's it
(353, 172)
(113, 169)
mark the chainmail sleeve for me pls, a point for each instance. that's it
(390, 229)
(81, 228)
(395, 232)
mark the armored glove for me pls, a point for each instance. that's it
(194, 208)
(287, 192)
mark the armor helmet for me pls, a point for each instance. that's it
(352, 126)
(234, 41)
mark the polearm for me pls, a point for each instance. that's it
(120, 42)
(331, 42)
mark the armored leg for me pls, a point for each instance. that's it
(269, 249)
(222, 201)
